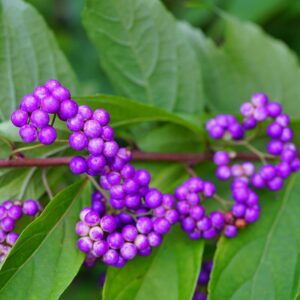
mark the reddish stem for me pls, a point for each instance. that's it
(187, 158)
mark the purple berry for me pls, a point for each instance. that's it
(141, 242)
(230, 231)
(110, 149)
(274, 109)
(61, 93)
(217, 219)
(221, 158)
(30, 207)
(41, 92)
(15, 212)
(95, 146)
(129, 233)
(251, 215)
(85, 244)
(92, 129)
(47, 135)
(274, 130)
(161, 226)
(259, 99)
(107, 133)
(275, 147)
(78, 165)
(85, 112)
(11, 238)
(209, 189)
(78, 141)
(223, 172)
(144, 225)
(28, 133)
(29, 103)
(82, 229)
(50, 104)
(19, 118)
(128, 251)
(111, 257)
(102, 116)
(115, 240)
(76, 123)
(52, 84)
(247, 109)
(108, 223)
(153, 198)
(143, 177)
(92, 218)
(68, 109)
(100, 248)
(7, 224)
(96, 163)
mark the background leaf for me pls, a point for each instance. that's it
(143, 53)
(170, 272)
(125, 112)
(29, 55)
(248, 62)
(45, 258)
(263, 261)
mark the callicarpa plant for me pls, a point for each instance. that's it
(189, 191)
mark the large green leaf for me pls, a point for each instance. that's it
(125, 112)
(144, 54)
(170, 272)
(29, 54)
(249, 61)
(263, 261)
(45, 258)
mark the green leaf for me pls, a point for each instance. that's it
(45, 258)
(263, 261)
(144, 54)
(248, 62)
(170, 272)
(169, 138)
(29, 54)
(125, 112)
(256, 10)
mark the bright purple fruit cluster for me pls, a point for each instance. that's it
(10, 213)
(116, 238)
(130, 217)
(203, 279)
(33, 116)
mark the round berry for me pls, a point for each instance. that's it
(96, 163)
(142, 177)
(111, 257)
(30, 207)
(85, 244)
(128, 251)
(108, 223)
(28, 133)
(230, 231)
(19, 118)
(153, 198)
(15, 212)
(41, 92)
(68, 109)
(7, 224)
(92, 218)
(82, 229)
(11, 238)
(50, 104)
(102, 116)
(30, 103)
(78, 141)
(95, 146)
(52, 84)
(115, 240)
(129, 233)
(85, 112)
(100, 248)
(61, 93)
(110, 149)
(78, 165)
(47, 135)
(92, 128)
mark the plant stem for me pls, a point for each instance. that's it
(46, 184)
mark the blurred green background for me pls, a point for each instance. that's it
(279, 18)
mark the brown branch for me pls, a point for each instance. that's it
(187, 158)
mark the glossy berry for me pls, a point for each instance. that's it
(19, 117)
(28, 133)
(47, 135)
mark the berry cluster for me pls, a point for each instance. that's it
(33, 116)
(129, 217)
(10, 213)
(203, 279)
(192, 214)
(117, 237)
